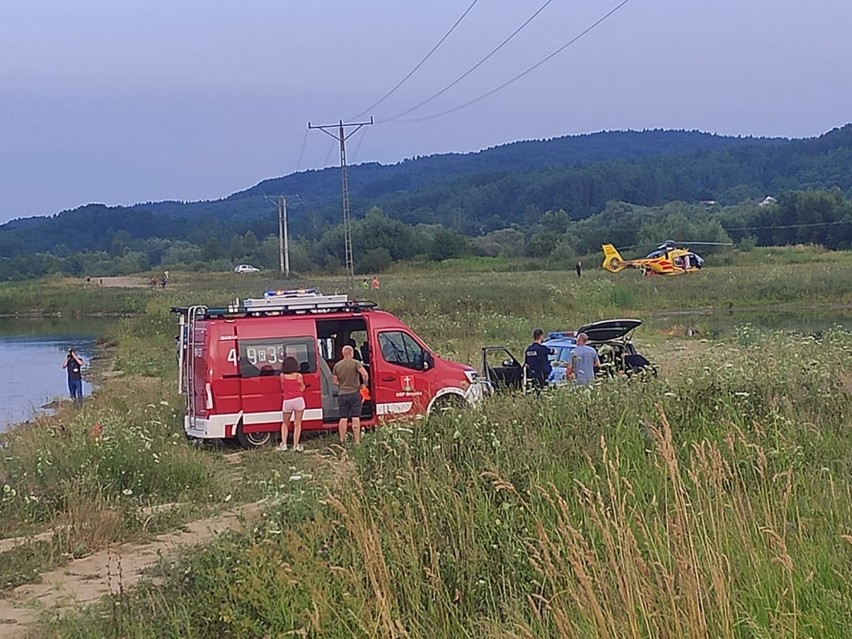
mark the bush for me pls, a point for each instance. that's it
(374, 261)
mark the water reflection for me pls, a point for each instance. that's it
(31, 356)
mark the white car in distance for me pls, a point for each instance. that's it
(246, 268)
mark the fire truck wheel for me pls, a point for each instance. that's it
(252, 440)
(448, 403)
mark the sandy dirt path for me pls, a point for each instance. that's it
(86, 580)
(124, 282)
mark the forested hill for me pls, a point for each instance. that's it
(476, 192)
(376, 180)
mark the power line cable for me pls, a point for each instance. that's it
(328, 155)
(473, 68)
(527, 71)
(419, 64)
(302, 151)
(358, 146)
(786, 226)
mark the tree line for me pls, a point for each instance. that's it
(476, 193)
(554, 239)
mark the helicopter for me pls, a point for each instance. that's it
(667, 259)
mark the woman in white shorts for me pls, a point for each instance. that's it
(292, 390)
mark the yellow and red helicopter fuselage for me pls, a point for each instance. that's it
(668, 261)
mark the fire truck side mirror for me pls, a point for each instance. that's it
(428, 360)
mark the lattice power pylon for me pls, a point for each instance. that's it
(341, 136)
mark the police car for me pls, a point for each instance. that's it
(611, 340)
(561, 345)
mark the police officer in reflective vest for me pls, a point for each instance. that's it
(536, 360)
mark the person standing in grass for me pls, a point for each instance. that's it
(74, 365)
(350, 376)
(292, 389)
(584, 362)
(537, 361)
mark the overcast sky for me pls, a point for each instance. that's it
(131, 101)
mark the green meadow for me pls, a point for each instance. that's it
(713, 501)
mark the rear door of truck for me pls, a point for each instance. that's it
(261, 355)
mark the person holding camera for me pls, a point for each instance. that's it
(74, 365)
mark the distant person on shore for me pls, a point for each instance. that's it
(375, 283)
(292, 389)
(74, 365)
(579, 268)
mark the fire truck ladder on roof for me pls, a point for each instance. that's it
(286, 303)
(188, 341)
(299, 302)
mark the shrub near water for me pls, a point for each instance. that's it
(121, 455)
(123, 449)
(713, 504)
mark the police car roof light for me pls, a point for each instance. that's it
(559, 334)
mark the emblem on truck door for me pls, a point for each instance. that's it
(408, 383)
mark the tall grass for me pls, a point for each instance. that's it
(68, 297)
(110, 457)
(760, 277)
(87, 474)
(715, 503)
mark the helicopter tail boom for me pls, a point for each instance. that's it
(613, 262)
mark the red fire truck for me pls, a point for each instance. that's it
(230, 359)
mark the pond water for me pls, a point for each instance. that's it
(31, 357)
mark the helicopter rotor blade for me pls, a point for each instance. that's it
(708, 243)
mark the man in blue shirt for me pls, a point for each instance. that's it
(584, 362)
(536, 360)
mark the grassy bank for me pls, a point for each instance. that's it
(117, 469)
(716, 503)
(777, 275)
(87, 478)
(713, 502)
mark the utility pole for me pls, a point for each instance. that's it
(283, 237)
(341, 136)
